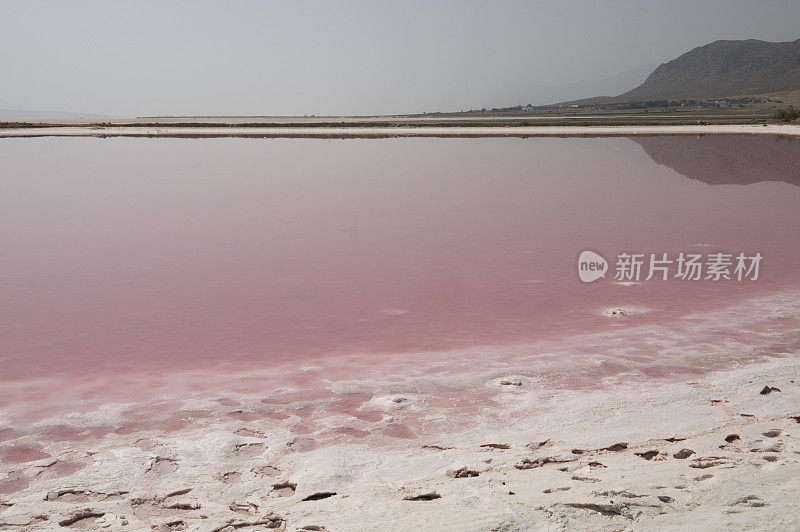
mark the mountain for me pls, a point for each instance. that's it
(722, 69)
(727, 159)
(547, 94)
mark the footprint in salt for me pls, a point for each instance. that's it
(230, 477)
(161, 465)
(283, 489)
(248, 449)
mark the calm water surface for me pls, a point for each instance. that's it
(148, 256)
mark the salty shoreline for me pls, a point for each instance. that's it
(387, 131)
(716, 451)
(506, 450)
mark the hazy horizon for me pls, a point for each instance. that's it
(352, 58)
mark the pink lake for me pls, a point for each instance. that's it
(128, 264)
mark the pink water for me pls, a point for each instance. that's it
(129, 263)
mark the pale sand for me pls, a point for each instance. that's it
(420, 131)
(223, 472)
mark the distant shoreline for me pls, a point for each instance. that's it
(378, 129)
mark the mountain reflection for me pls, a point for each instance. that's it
(727, 160)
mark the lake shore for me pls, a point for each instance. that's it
(720, 451)
(641, 406)
(308, 129)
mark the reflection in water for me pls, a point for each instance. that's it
(129, 261)
(727, 160)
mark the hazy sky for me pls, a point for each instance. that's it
(144, 57)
